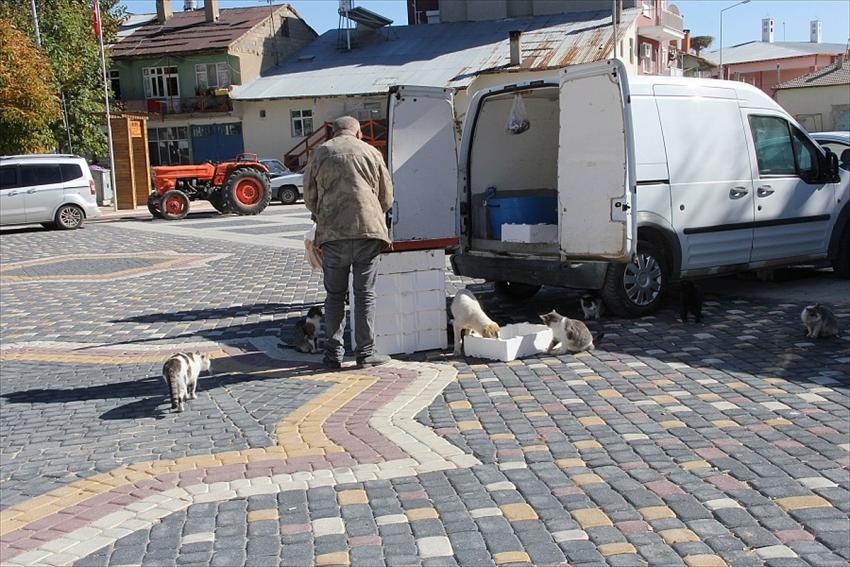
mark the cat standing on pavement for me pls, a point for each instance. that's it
(568, 335)
(180, 373)
(819, 321)
(591, 306)
(690, 301)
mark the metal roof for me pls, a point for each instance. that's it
(133, 23)
(442, 55)
(836, 74)
(188, 31)
(765, 51)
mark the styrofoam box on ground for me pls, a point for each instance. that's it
(530, 233)
(400, 322)
(409, 343)
(515, 341)
(412, 261)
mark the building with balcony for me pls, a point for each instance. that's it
(179, 69)
(659, 33)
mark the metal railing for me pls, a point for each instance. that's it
(671, 20)
(180, 105)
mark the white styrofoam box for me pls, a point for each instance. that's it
(393, 323)
(430, 300)
(433, 319)
(430, 279)
(412, 261)
(530, 233)
(515, 341)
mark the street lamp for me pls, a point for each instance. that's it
(722, 75)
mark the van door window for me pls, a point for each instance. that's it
(40, 174)
(8, 177)
(773, 146)
(807, 156)
(70, 171)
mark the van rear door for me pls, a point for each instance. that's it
(596, 165)
(422, 159)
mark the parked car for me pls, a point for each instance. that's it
(839, 143)
(646, 180)
(287, 186)
(56, 191)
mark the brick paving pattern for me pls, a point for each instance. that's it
(726, 443)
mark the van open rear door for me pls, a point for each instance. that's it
(422, 159)
(596, 167)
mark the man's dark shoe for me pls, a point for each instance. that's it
(331, 364)
(372, 360)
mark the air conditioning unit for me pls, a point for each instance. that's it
(646, 50)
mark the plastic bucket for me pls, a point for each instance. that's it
(533, 209)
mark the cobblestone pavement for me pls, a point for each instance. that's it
(726, 443)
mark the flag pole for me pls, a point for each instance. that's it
(99, 31)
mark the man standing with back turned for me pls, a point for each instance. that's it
(348, 189)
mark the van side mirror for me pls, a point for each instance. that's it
(830, 169)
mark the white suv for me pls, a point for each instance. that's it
(56, 191)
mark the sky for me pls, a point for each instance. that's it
(702, 17)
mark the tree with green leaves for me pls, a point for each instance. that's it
(70, 45)
(700, 42)
(28, 104)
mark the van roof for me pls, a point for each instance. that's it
(41, 156)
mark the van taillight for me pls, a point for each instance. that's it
(91, 187)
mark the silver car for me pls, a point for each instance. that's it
(287, 187)
(839, 143)
(56, 191)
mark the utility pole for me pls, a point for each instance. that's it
(61, 94)
(99, 31)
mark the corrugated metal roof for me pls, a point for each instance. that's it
(188, 31)
(764, 51)
(442, 55)
(837, 74)
(133, 23)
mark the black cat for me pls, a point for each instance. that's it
(691, 301)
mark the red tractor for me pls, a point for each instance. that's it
(240, 186)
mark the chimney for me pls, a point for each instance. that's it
(767, 30)
(816, 31)
(188, 5)
(163, 11)
(686, 42)
(516, 52)
(211, 10)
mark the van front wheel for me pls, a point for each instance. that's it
(637, 288)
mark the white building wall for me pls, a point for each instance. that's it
(830, 103)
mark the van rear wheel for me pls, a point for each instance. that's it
(516, 291)
(69, 217)
(841, 263)
(637, 288)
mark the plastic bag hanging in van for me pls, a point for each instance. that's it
(518, 119)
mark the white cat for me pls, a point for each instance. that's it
(469, 316)
(180, 373)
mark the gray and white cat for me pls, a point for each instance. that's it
(819, 321)
(591, 306)
(569, 335)
(180, 373)
(307, 332)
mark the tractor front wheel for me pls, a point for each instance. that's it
(174, 205)
(247, 192)
(155, 206)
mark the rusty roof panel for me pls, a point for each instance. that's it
(188, 31)
(443, 55)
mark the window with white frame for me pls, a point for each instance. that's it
(161, 82)
(646, 56)
(647, 8)
(115, 83)
(631, 50)
(211, 75)
(302, 122)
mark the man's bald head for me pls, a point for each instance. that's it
(346, 125)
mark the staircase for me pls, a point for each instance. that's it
(374, 134)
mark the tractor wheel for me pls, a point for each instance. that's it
(216, 199)
(247, 192)
(175, 205)
(155, 206)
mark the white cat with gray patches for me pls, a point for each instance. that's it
(819, 321)
(180, 373)
(568, 335)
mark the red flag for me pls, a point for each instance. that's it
(96, 17)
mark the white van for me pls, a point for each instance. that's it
(642, 180)
(54, 190)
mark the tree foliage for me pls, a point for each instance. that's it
(28, 105)
(700, 42)
(71, 47)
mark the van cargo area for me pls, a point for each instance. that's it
(513, 178)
